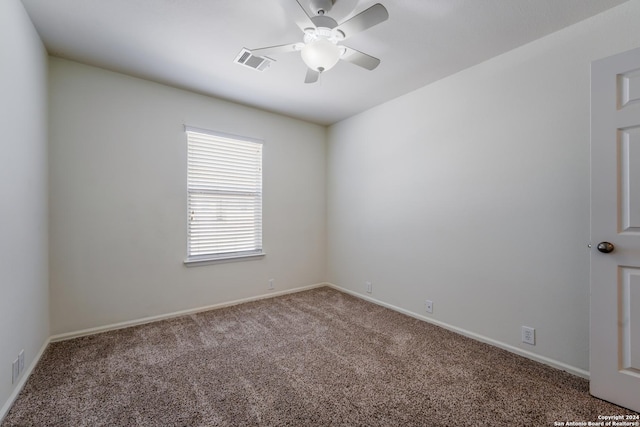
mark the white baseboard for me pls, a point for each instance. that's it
(142, 321)
(529, 355)
(12, 398)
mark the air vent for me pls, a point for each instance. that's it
(259, 63)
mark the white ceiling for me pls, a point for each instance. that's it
(191, 44)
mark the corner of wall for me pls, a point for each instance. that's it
(24, 306)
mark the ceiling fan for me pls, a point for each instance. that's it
(321, 48)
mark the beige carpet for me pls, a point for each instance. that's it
(315, 358)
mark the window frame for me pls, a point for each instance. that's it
(212, 258)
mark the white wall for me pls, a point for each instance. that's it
(24, 309)
(474, 192)
(118, 200)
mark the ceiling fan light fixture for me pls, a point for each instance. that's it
(322, 48)
(320, 54)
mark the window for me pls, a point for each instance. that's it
(224, 186)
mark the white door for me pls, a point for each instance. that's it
(615, 218)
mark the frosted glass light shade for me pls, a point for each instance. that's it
(320, 55)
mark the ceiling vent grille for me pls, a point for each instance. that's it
(246, 59)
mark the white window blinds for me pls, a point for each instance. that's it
(224, 184)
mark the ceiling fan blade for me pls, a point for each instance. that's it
(364, 20)
(294, 9)
(272, 50)
(360, 59)
(312, 76)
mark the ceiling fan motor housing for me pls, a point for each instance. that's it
(323, 21)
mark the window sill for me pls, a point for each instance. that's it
(220, 260)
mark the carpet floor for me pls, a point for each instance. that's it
(314, 358)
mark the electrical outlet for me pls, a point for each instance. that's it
(368, 287)
(528, 335)
(15, 371)
(21, 359)
(428, 305)
(271, 283)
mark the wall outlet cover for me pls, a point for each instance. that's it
(15, 371)
(428, 306)
(528, 335)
